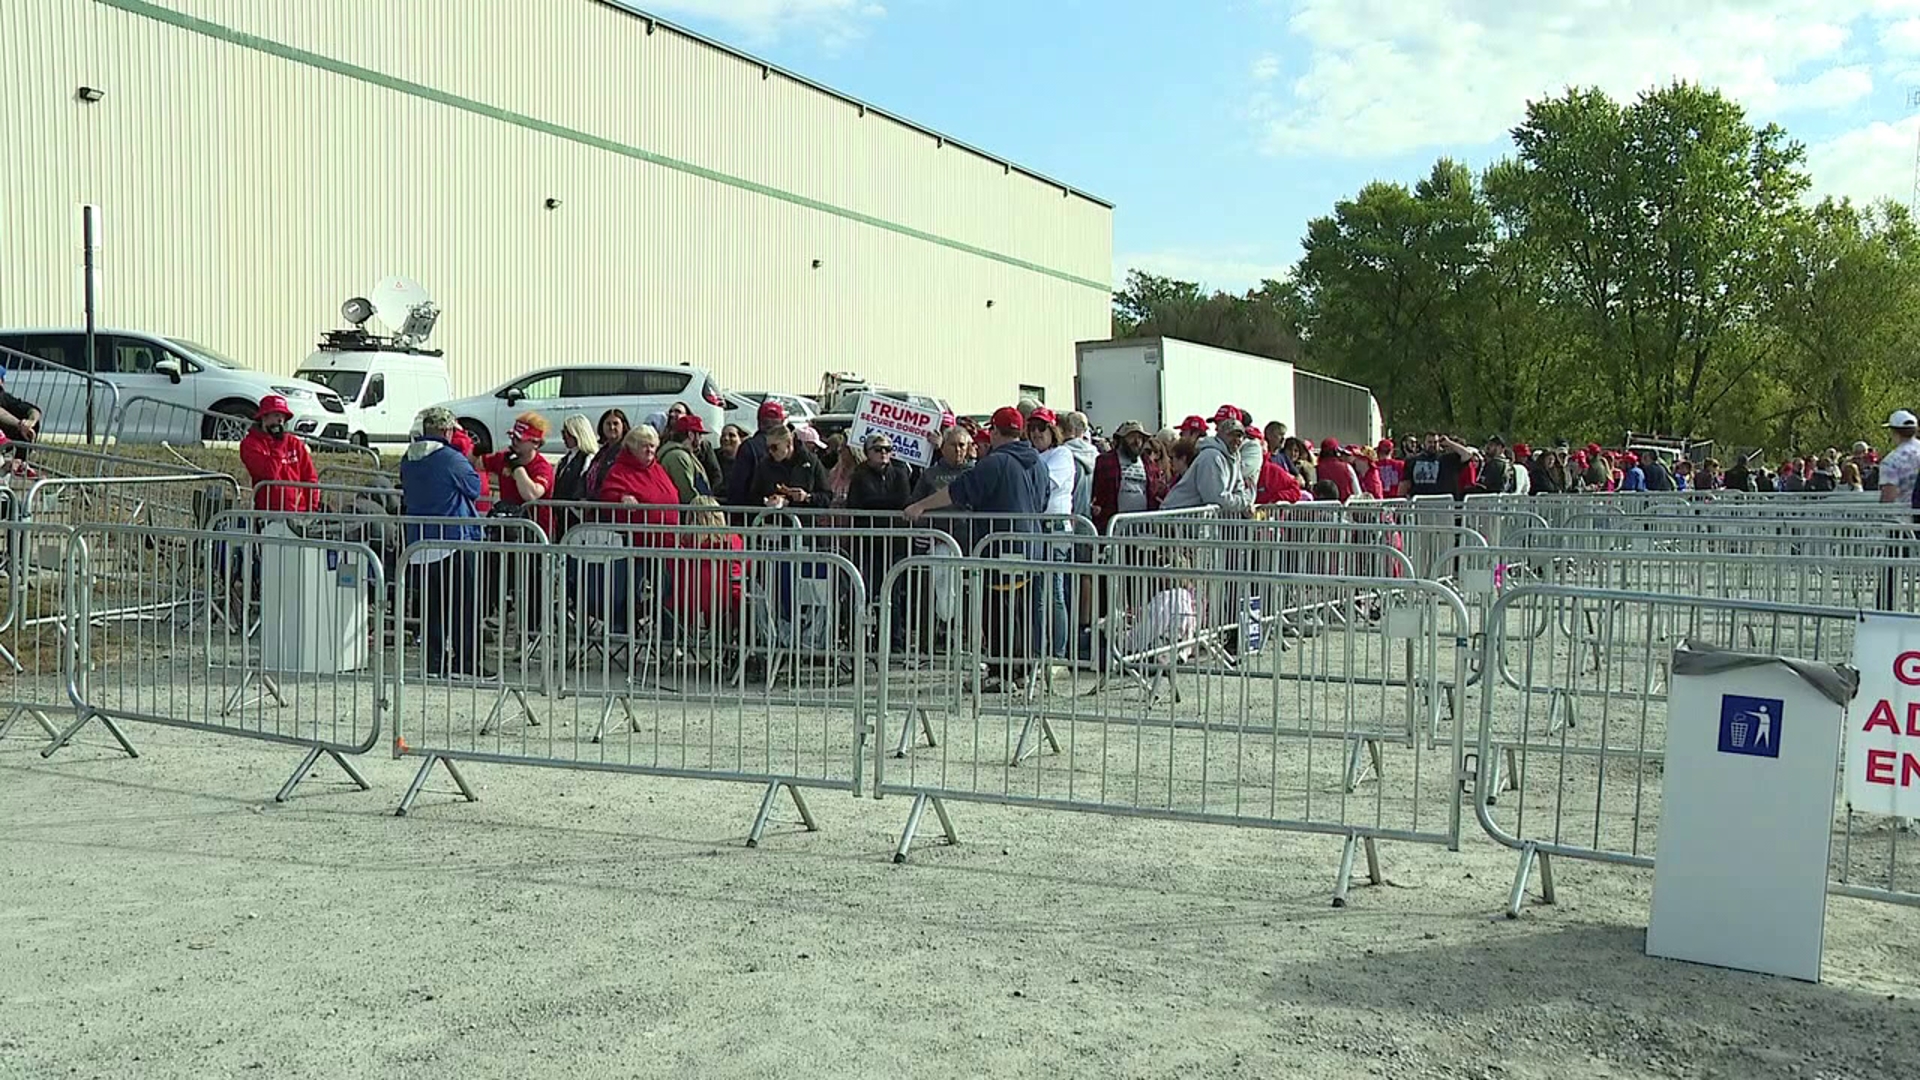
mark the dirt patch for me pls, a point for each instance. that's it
(163, 919)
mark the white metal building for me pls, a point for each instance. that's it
(574, 180)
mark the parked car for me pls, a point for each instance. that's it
(384, 388)
(559, 392)
(167, 389)
(743, 407)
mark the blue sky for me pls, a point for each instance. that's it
(1220, 127)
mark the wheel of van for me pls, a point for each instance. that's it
(359, 439)
(477, 431)
(235, 419)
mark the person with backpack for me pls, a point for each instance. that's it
(680, 455)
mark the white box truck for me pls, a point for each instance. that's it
(1159, 381)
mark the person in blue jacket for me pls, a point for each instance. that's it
(1009, 480)
(1634, 478)
(437, 480)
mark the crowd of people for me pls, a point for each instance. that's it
(1027, 464)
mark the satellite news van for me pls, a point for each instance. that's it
(384, 381)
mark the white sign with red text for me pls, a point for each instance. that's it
(915, 431)
(1883, 724)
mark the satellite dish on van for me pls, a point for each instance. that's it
(357, 311)
(406, 309)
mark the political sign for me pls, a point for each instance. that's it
(915, 431)
(1883, 723)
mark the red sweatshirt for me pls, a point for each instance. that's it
(279, 461)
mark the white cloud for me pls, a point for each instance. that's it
(1868, 163)
(1266, 69)
(1383, 77)
(1902, 37)
(836, 23)
(1234, 270)
(1833, 88)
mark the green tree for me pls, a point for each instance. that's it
(1665, 216)
(1263, 322)
(1842, 313)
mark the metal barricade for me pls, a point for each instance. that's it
(38, 633)
(1572, 738)
(74, 405)
(170, 500)
(1888, 541)
(1146, 715)
(718, 663)
(145, 420)
(157, 642)
(1189, 523)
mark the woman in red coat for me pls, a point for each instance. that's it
(636, 479)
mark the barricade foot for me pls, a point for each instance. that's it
(268, 689)
(1529, 854)
(1020, 751)
(906, 731)
(420, 781)
(527, 714)
(1356, 769)
(920, 804)
(64, 737)
(766, 811)
(1344, 880)
(306, 765)
(606, 714)
(39, 717)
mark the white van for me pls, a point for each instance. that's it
(384, 380)
(383, 385)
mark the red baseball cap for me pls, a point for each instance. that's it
(1521, 449)
(1226, 412)
(1385, 447)
(1044, 415)
(983, 437)
(1008, 418)
(690, 422)
(770, 411)
(1194, 424)
(1330, 445)
(272, 404)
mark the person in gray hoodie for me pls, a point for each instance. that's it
(1214, 478)
(1073, 428)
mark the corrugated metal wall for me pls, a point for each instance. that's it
(257, 163)
(1325, 407)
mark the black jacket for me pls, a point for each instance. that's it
(801, 470)
(890, 488)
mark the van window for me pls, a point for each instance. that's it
(540, 387)
(595, 382)
(344, 383)
(657, 383)
(128, 356)
(65, 350)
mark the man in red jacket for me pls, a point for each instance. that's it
(1124, 479)
(278, 461)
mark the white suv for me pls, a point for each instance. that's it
(167, 389)
(559, 392)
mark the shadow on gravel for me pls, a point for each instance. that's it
(1590, 993)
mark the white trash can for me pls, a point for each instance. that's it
(1747, 810)
(313, 607)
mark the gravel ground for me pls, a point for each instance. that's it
(164, 919)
